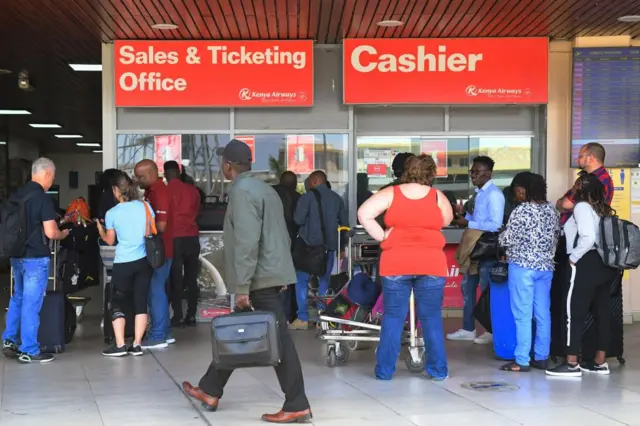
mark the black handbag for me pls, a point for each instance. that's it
(312, 259)
(499, 274)
(486, 247)
(245, 339)
(153, 241)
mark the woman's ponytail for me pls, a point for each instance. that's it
(128, 189)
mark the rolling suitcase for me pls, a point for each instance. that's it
(57, 323)
(503, 325)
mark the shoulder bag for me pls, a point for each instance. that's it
(152, 240)
(312, 259)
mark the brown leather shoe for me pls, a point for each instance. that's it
(209, 403)
(284, 417)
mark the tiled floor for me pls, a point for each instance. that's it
(83, 388)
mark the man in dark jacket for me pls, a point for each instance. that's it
(286, 189)
(257, 265)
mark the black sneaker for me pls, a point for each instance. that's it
(565, 370)
(190, 321)
(177, 322)
(9, 349)
(539, 364)
(135, 350)
(35, 359)
(114, 351)
(593, 368)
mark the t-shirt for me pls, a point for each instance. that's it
(39, 209)
(129, 220)
(160, 199)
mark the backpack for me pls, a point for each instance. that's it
(619, 243)
(13, 226)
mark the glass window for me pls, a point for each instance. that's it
(453, 155)
(273, 153)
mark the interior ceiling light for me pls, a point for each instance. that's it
(68, 136)
(45, 126)
(14, 112)
(629, 18)
(4, 71)
(390, 23)
(86, 67)
(3, 143)
(97, 151)
(93, 145)
(164, 26)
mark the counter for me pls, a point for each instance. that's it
(213, 289)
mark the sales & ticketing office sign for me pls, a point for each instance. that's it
(214, 73)
(446, 71)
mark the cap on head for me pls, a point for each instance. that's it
(237, 152)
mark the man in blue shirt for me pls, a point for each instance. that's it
(487, 215)
(308, 218)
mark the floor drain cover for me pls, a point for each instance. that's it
(490, 386)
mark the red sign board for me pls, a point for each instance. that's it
(167, 148)
(438, 151)
(251, 142)
(377, 170)
(446, 71)
(180, 73)
(301, 154)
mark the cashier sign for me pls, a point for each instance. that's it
(180, 73)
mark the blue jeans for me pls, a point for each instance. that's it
(469, 287)
(302, 286)
(30, 277)
(159, 303)
(531, 298)
(428, 294)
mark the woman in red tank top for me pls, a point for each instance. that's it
(412, 259)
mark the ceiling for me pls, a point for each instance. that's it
(43, 36)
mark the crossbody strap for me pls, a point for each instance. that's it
(322, 227)
(150, 222)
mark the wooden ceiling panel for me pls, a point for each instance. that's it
(54, 33)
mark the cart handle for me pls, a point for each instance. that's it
(343, 228)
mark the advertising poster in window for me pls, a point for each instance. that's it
(377, 170)
(167, 148)
(301, 154)
(251, 143)
(438, 151)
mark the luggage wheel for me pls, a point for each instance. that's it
(416, 366)
(336, 355)
(621, 360)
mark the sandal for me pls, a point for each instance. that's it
(515, 367)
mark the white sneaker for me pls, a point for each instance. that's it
(462, 335)
(484, 339)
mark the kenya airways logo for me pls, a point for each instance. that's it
(245, 94)
(471, 90)
(500, 92)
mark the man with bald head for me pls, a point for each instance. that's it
(157, 194)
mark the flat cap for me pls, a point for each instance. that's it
(237, 152)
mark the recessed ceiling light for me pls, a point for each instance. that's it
(390, 23)
(164, 26)
(14, 112)
(5, 71)
(45, 126)
(3, 143)
(93, 145)
(86, 67)
(68, 136)
(97, 151)
(629, 18)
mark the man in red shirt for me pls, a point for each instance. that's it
(185, 205)
(157, 194)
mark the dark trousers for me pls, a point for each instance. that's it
(184, 274)
(289, 371)
(589, 291)
(289, 303)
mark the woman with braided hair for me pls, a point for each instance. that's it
(530, 237)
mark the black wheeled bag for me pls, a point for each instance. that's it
(57, 323)
(245, 339)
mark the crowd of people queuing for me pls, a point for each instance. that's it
(263, 222)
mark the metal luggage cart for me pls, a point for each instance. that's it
(344, 336)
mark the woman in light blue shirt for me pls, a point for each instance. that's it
(127, 224)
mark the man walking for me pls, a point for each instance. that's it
(157, 194)
(487, 216)
(257, 264)
(31, 270)
(185, 205)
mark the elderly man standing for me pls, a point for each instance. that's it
(257, 265)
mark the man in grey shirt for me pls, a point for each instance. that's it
(257, 265)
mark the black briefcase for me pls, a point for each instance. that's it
(245, 339)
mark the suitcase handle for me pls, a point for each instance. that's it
(232, 304)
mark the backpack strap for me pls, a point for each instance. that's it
(322, 226)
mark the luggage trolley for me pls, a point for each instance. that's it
(343, 335)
